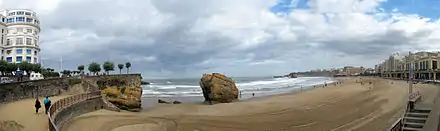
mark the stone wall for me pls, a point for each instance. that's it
(109, 106)
(30, 89)
(55, 86)
(78, 109)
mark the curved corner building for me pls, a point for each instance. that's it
(19, 36)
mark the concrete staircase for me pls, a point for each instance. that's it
(415, 119)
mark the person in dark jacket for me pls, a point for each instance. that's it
(47, 103)
(37, 105)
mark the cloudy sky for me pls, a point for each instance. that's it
(185, 38)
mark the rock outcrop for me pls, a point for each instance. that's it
(219, 88)
(166, 102)
(125, 97)
(121, 94)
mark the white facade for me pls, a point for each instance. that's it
(20, 31)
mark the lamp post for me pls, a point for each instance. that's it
(411, 73)
(410, 87)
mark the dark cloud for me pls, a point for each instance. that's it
(186, 38)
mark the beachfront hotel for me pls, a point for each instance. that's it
(19, 39)
(425, 65)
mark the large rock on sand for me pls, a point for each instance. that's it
(219, 88)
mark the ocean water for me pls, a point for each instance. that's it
(260, 86)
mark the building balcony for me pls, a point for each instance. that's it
(24, 23)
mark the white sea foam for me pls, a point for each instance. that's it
(269, 86)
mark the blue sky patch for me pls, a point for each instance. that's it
(424, 8)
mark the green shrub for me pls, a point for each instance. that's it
(73, 81)
(110, 81)
(122, 89)
(111, 92)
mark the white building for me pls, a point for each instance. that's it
(19, 36)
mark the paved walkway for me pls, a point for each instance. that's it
(429, 95)
(23, 112)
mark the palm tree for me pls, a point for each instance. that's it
(128, 65)
(120, 66)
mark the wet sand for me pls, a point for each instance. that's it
(349, 106)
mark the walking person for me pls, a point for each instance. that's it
(47, 103)
(37, 105)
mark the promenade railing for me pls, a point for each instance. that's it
(67, 102)
(398, 125)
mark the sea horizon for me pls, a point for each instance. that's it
(260, 86)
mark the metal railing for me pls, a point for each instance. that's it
(398, 125)
(67, 102)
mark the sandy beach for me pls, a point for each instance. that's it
(23, 112)
(348, 106)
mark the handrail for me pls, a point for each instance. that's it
(399, 123)
(67, 102)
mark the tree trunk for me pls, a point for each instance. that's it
(128, 70)
(120, 71)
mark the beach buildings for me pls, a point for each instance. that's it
(19, 39)
(424, 64)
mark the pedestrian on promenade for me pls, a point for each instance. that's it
(47, 103)
(37, 105)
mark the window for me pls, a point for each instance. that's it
(19, 41)
(12, 13)
(28, 42)
(8, 42)
(35, 52)
(434, 65)
(9, 59)
(29, 20)
(20, 13)
(425, 64)
(35, 60)
(18, 59)
(19, 29)
(28, 51)
(19, 51)
(28, 58)
(8, 52)
(28, 13)
(29, 30)
(11, 20)
(3, 19)
(19, 19)
(35, 43)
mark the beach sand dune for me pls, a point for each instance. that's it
(350, 106)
